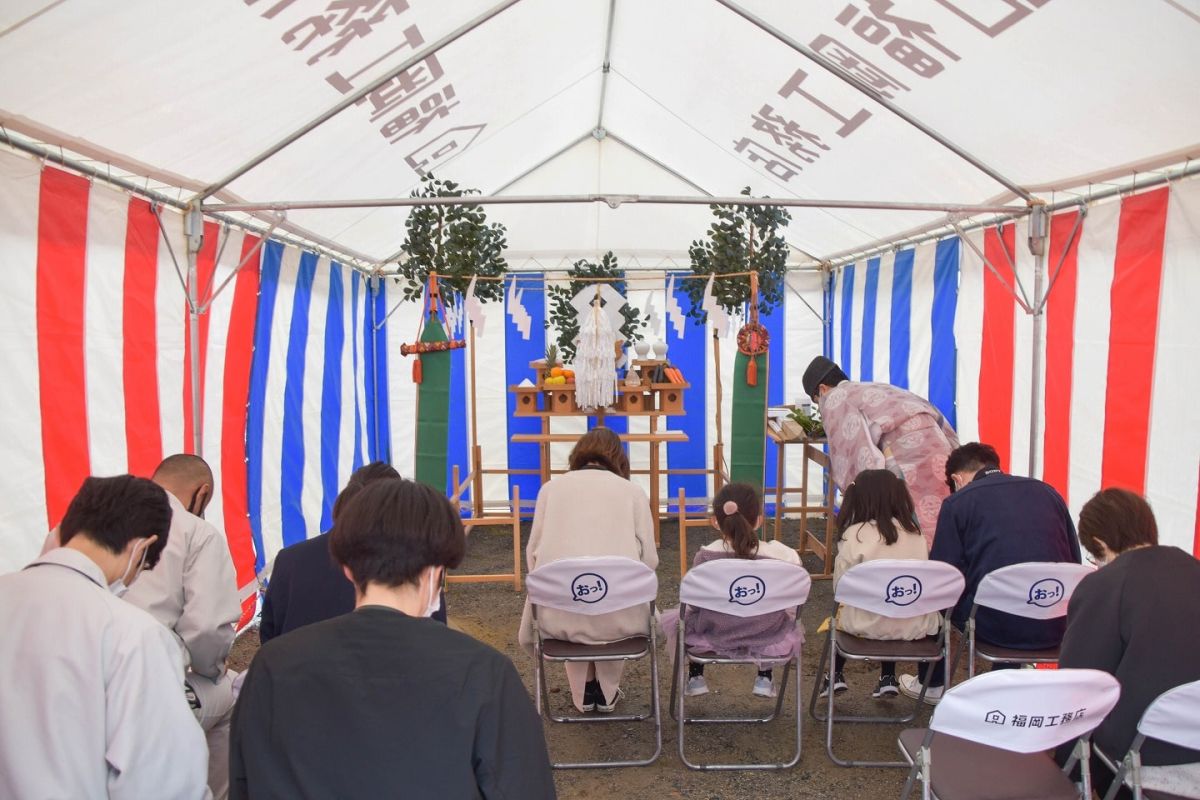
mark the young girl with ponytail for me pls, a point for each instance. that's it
(771, 638)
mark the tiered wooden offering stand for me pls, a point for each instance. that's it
(814, 451)
(650, 400)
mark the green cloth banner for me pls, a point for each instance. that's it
(433, 410)
(749, 439)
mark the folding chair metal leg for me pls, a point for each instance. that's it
(683, 720)
(655, 714)
(829, 657)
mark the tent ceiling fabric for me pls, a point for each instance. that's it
(1051, 94)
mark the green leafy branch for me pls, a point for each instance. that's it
(744, 238)
(454, 241)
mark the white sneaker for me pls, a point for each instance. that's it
(910, 686)
(764, 687)
(696, 686)
(609, 707)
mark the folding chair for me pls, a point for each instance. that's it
(899, 589)
(1034, 590)
(994, 731)
(1170, 718)
(593, 586)
(742, 588)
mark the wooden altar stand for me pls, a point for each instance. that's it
(650, 400)
(809, 543)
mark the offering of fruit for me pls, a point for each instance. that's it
(569, 374)
(556, 372)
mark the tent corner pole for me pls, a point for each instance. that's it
(1038, 235)
(194, 230)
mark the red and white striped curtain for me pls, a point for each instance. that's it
(93, 343)
(1122, 354)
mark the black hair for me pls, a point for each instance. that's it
(112, 512)
(392, 529)
(878, 496)
(971, 457)
(737, 527)
(368, 473)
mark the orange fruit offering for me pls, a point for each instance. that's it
(556, 372)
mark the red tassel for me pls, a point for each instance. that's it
(417, 369)
(752, 372)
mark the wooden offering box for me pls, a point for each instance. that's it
(642, 399)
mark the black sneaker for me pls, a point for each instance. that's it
(591, 691)
(888, 687)
(839, 684)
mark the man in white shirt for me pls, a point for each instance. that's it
(92, 698)
(193, 592)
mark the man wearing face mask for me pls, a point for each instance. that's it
(193, 592)
(92, 701)
(385, 702)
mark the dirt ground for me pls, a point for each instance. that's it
(491, 611)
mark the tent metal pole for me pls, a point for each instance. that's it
(943, 228)
(604, 69)
(862, 87)
(158, 198)
(543, 162)
(194, 226)
(614, 201)
(354, 97)
(1039, 224)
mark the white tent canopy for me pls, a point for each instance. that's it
(674, 97)
(886, 126)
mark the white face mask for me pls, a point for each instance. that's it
(121, 585)
(435, 595)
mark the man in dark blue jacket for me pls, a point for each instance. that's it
(306, 584)
(994, 520)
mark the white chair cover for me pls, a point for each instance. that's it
(1034, 589)
(900, 588)
(1174, 716)
(1027, 710)
(592, 585)
(745, 587)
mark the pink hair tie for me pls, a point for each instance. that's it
(730, 507)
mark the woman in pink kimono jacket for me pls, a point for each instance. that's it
(880, 426)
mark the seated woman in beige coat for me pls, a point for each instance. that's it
(877, 521)
(592, 510)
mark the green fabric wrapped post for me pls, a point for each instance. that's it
(749, 439)
(433, 410)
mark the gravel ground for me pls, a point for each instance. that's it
(491, 611)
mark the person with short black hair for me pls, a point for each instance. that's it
(93, 687)
(1138, 619)
(384, 702)
(995, 520)
(306, 583)
(592, 510)
(880, 426)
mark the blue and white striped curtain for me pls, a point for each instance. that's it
(891, 320)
